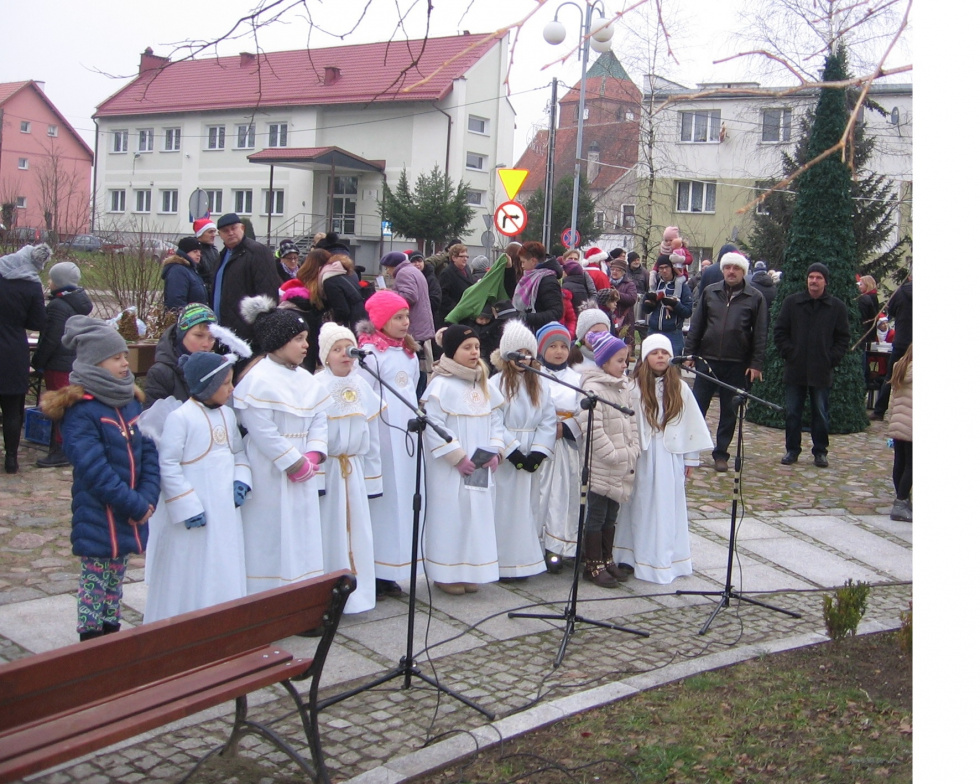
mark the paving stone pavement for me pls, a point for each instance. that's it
(804, 529)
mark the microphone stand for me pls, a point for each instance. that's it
(725, 596)
(570, 614)
(407, 666)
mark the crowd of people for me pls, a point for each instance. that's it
(257, 452)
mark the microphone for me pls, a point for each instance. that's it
(681, 360)
(516, 356)
(355, 353)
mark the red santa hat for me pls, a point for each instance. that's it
(593, 256)
(201, 225)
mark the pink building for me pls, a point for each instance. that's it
(45, 166)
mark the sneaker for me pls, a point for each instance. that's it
(721, 464)
(820, 460)
(902, 511)
(789, 458)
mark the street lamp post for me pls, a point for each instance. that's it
(600, 37)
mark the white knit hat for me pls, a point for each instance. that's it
(656, 340)
(517, 337)
(330, 333)
(732, 259)
(588, 318)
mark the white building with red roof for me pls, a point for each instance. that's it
(302, 141)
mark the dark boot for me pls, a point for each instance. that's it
(595, 564)
(55, 457)
(91, 634)
(608, 536)
(109, 628)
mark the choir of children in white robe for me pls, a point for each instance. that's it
(352, 470)
(459, 543)
(528, 418)
(653, 535)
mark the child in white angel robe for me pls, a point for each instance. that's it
(352, 470)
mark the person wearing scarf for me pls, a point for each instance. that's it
(538, 296)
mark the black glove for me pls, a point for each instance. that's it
(518, 459)
(534, 461)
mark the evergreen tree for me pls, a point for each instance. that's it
(822, 230)
(433, 211)
(561, 213)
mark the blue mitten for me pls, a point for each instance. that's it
(241, 490)
(197, 521)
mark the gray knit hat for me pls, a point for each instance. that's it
(204, 372)
(64, 273)
(92, 340)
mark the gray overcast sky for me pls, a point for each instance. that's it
(73, 46)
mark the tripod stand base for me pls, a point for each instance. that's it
(724, 600)
(407, 671)
(570, 620)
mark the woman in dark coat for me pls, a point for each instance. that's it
(332, 293)
(538, 297)
(183, 278)
(21, 309)
(454, 279)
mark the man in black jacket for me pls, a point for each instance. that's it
(246, 268)
(811, 334)
(728, 330)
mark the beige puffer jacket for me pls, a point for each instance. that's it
(900, 410)
(615, 440)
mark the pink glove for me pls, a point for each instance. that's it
(465, 466)
(313, 457)
(306, 471)
(493, 462)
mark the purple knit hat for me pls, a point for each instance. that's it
(604, 346)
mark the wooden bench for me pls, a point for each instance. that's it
(59, 705)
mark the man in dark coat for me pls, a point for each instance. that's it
(811, 334)
(728, 330)
(246, 268)
(712, 274)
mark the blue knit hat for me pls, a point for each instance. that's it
(204, 372)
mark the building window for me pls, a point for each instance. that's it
(21, 202)
(277, 135)
(117, 201)
(477, 162)
(776, 124)
(600, 220)
(215, 201)
(22, 164)
(701, 126)
(216, 137)
(243, 202)
(120, 141)
(168, 201)
(630, 116)
(478, 125)
(344, 208)
(142, 201)
(171, 139)
(475, 198)
(629, 216)
(244, 137)
(695, 196)
(25, 126)
(52, 130)
(145, 139)
(277, 203)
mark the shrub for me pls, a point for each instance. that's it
(844, 611)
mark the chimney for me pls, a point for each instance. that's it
(246, 59)
(151, 62)
(331, 75)
(593, 166)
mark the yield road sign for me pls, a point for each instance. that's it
(510, 218)
(512, 180)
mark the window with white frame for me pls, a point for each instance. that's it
(216, 137)
(215, 200)
(168, 201)
(22, 164)
(476, 161)
(695, 196)
(344, 209)
(171, 139)
(629, 216)
(277, 135)
(25, 126)
(478, 125)
(142, 200)
(52, 130)
(475, 198)
(776, 125)
(145, 139)
(120, 141)
(21, 203)
(117, 201)
(703, 125)
(244, 137)
(276, 203)
(243, 201)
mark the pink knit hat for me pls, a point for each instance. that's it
(382, 306)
